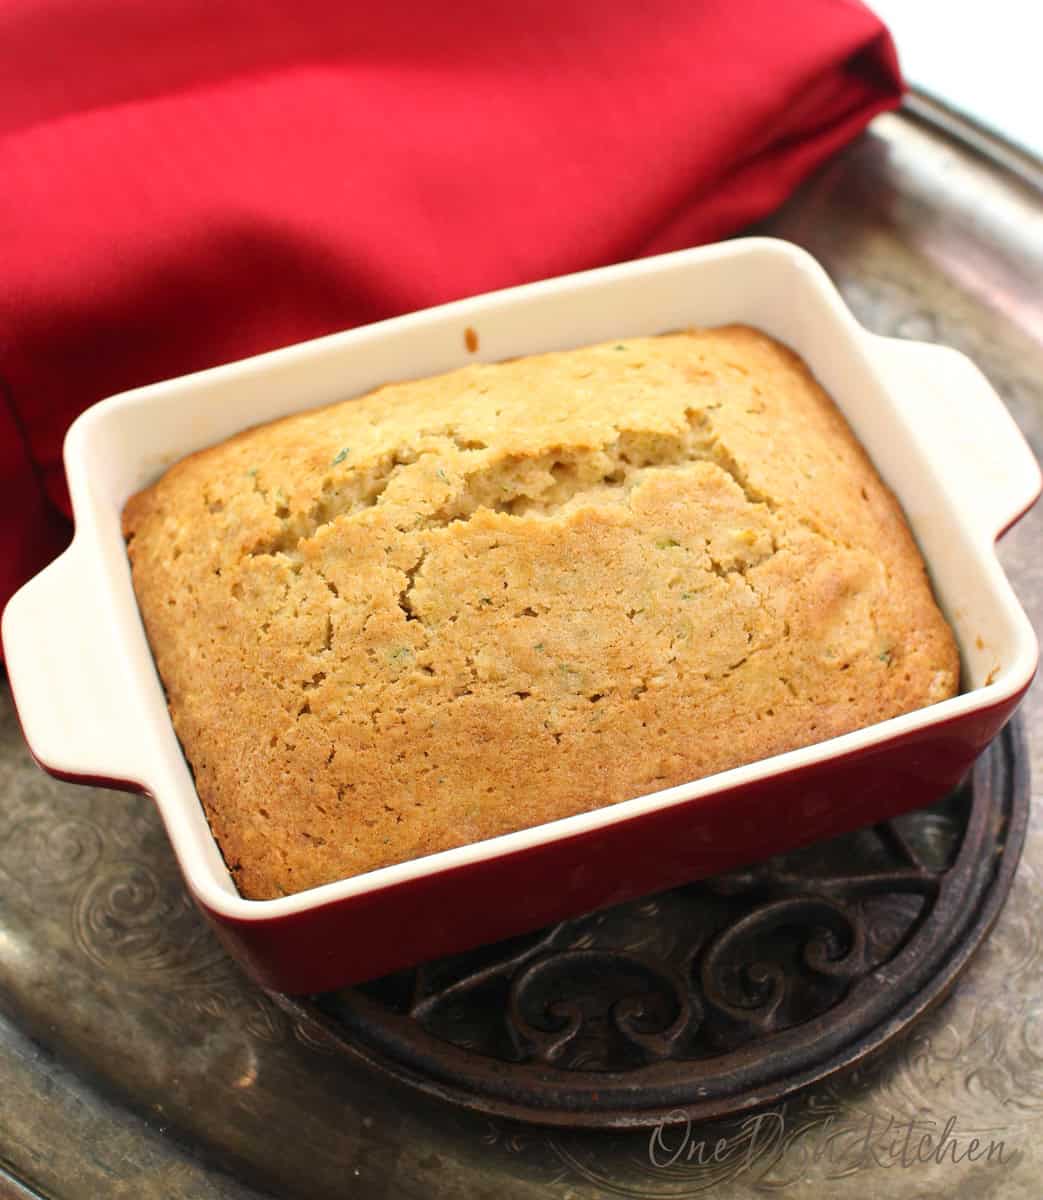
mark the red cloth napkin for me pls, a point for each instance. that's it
(185, 183)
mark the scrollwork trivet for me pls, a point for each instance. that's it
(714, 998)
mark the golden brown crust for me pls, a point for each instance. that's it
(474, 603)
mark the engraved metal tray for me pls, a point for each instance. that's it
(136, 1061)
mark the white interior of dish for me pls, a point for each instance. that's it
(897, 409)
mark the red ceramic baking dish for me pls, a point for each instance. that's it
(92, 706)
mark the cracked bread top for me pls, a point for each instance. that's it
(468, 604)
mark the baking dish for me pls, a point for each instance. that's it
(92, 706)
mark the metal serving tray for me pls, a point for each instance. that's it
(135, 1060)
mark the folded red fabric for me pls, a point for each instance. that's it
(185, 183)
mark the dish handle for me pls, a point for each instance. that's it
(65, 669)
(964, 428)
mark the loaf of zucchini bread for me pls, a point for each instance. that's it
(464, 605)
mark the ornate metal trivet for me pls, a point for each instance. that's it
(714, 998)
